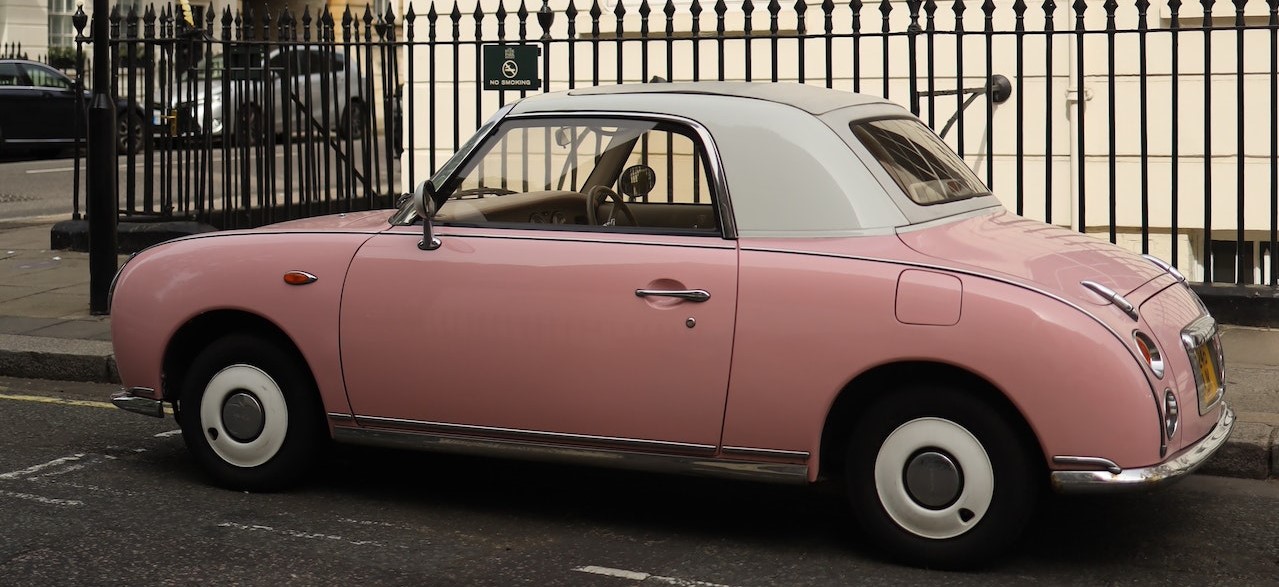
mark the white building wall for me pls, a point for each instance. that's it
(25, 22)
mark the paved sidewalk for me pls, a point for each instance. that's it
(46, 332)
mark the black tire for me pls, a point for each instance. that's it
(926, 515)
(353, 120)
(243, 370)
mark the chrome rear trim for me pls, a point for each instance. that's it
(610, 452)
(1148, 477)
(1111, 296)
(1090, 462)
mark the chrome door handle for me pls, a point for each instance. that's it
(692, 295)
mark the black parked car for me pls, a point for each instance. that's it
(38, 110)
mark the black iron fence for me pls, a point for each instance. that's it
(245, 120)
(1154, 126)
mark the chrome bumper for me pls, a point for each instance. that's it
(125, 400)
(1148, 477)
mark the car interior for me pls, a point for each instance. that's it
(632, 176)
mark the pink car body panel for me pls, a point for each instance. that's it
(165, 287)
(538, 330)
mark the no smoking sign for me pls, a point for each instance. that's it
(511, 67)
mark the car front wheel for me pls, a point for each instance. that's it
(940, 478)
(251, 414)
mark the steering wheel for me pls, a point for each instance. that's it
(596, 198)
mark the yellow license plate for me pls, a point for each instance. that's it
(1207, 374)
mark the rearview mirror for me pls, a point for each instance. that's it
(563, 136)
(424, 204)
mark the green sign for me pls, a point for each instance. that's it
(511, 67)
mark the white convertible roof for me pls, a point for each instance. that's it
(812, 99)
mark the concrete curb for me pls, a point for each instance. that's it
(38, 357)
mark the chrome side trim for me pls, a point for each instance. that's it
(341, 419)
(767, 453)
(536, 436)
(1089, 462)
(126, 400)
(1111, 296)
(1149, 477)
(599, 457)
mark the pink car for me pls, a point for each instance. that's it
(763, 281)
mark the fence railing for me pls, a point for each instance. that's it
(246, 120)
(1153, 126)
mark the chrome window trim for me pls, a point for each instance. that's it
(719, 244)
(719, 187)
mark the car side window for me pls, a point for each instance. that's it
(45, 78)
(919, 162)
(623, 175)
(9, 75)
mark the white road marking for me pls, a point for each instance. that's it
(297, 533)
(169, 433)
(40, 499)
(41, 467)
(642, 577)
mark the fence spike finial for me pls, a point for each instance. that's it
(545, 18)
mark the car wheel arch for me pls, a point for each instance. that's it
(879, 383)
(198, 332)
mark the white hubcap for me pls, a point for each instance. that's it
(244, 415)
(934, 478)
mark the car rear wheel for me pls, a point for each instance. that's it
(940, 479)
(251, 414)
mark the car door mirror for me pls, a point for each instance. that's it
(424, 204)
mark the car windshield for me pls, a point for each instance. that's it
(923, 166)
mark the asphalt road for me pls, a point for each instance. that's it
(91, 495)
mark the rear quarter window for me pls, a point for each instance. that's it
(918, 161)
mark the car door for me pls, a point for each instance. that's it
(18, 101)
(525, 323)
(55, 108)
